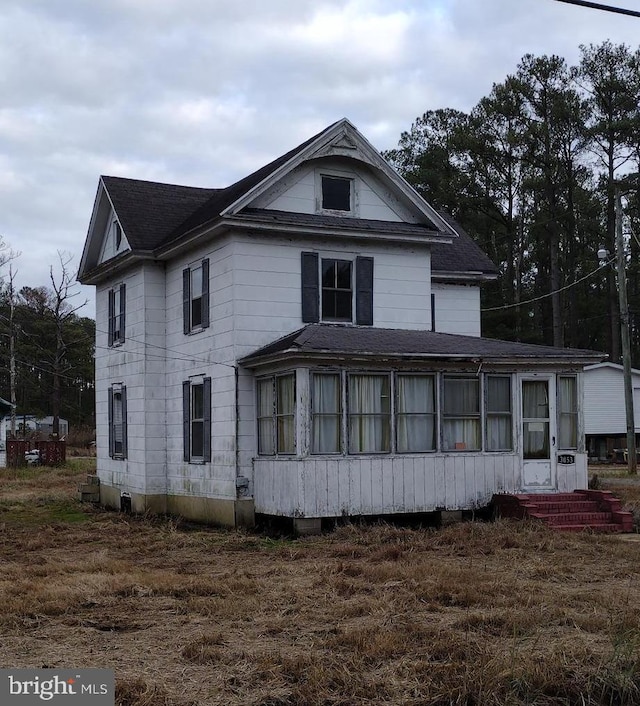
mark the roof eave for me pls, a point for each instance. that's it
(110, 267)
(295, 354)
(451, 276)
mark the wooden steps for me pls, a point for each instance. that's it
(594, 510)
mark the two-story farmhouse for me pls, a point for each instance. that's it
(306, 343)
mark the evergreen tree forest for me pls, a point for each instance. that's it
(53, 350)
(531, 172)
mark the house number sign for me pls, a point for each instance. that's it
(566, 459)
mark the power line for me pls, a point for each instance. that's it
(549, 294)
(600, 6)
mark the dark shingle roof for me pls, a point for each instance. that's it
(323, 221)
(335, 339)
(463, 255)
(149, 211)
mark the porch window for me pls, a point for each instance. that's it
(415, 413)
(499, 425)
(461, 414)
(567, 412)
(195, 297)
(369, 414)
(276, 415)
(196, 410)
(117, 395)
(326, 413)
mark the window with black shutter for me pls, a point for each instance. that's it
(196, 416)
(117, 412)
(117, 306)
(195, 297)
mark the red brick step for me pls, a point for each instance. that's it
(595, 510)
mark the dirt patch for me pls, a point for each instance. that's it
(477, 613)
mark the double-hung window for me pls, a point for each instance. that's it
(369, 413)
(277, 415)
(196, 416)
(337, 289)
(195, 297)
(117, 411)
(567, 412)
(461, 422)
(498, 419)
(326, 413)
(117, 307)
(415, 413)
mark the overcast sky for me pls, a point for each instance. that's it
(202, 92)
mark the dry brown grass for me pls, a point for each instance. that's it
(477, 613)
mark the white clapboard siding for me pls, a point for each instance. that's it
(604, 406)
(332, 487)
(457, 308)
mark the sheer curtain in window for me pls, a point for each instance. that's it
(461, 422)
(415, 416)
(326, 419)
(567, 413)
(369, 414)
(535, 414)
(499, 422)
(265, 416)
(286, 405)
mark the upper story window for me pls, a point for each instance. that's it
(337, 193)
(331, 287)
(117, 306)
(337, 290)
(195, 296)
(117, 234)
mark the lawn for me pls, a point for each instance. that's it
(478, 613)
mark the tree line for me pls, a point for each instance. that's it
(46, 347)
(531, 173)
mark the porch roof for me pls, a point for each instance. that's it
(358, 342)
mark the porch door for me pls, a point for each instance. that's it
(538, 433)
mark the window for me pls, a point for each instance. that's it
(277, 415)
(337, 193)
(329, 285)
(117, 303)
(337, 293)
(195, 297)
(369, 414)
(498, 424)
(117, 410)
(567, 412)
(326, 413)
(461, 414)
(117, 234)
(415, 413)
(196, 413)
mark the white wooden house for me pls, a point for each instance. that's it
(605, 419)
(306, 343)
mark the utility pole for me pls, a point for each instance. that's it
(625, 337)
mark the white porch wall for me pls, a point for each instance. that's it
(366, 485)
(457, 308)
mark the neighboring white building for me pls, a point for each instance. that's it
(605, 418)
(31, 423)
(306, 343)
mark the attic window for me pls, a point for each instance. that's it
(117, 234)
(336, 193)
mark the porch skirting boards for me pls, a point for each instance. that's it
(220, 512)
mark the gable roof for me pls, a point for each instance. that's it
(316, 340)
(155, 217)
(463, 255)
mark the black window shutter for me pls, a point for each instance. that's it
(310, 288)
(206, 395)
(122, 310)
(186, 421)
(186, 299)
(205, 293)
(364, 291)
(110, 416)
(433, 311)
(124, 420)
(112, 304)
